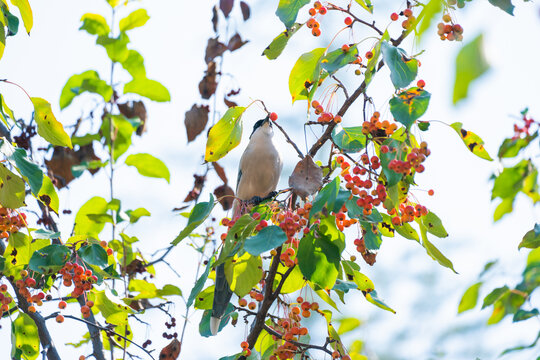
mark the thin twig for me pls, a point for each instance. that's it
(300, 155)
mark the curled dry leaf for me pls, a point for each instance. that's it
(369, 257)
(135, 109)
(221, 172)
(208, 85)
(229, 103)
(196, 120)
(63, 159)
(197, 188)
(214, 49)
(215, 18)
(245, 10)
(226, 6)
(236, 42)
(225, 196)
(306, 178)
(171, 351)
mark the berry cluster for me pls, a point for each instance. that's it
(23, 140)
(5, 299)
(414, 160)
(408, 22)
(325, 116)
(312, 23)
(75, 274)
(408, 213)
(377, 128)
(252, 305)
(292, 223)
(448, 30)
(10, 222)
(167, 336)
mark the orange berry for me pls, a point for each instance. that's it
(348, 21)
(59, 319)
(394, 16)
(316, 32)
(369, 55)
(431, 192)
(252, 306)
(24, 273)
(317, 5)
(109, 251)
(345, 48)
(447, 18)
(242, 302)
(31, 309)
(312, 12)
(82, 357)
(407, 12)
(89, 303)
(421, 83)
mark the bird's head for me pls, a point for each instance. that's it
(263, 127)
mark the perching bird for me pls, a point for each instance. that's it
(258, 175)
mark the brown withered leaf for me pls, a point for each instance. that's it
(229, 103)
(86, 154)
(197, 188)
(226, 6)
(196, 120)
(60, 164)
(214, 48)
(171, 351)
(369, 257)
(215, 18)
(306, 178)
(135, 109)
(221, 172)
(208, 84)
(236, 42)
(225, 196)
(245, 10)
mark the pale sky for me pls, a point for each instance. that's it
(424, 294)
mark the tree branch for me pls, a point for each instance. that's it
(95, 337)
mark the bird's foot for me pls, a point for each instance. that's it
(255, 200)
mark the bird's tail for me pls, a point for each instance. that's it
(222, 296)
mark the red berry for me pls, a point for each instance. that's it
(421, 83)
(394, 16)
(407, 12)
(109, 251)
(59, 319)
(369, 55)
(431, 192)
(345, 48)
(273, 116)
(348, 21)
(322, 10)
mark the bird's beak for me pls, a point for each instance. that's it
(267, 121)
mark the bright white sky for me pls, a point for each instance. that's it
(424, 294)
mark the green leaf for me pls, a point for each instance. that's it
(426, 16)
(45, 234)
(328, 229)
(48, 195)
(134, 20)
(511, 147)
(205, 298)
(473, 142)
(403, 70)
(198, 214)
(505, 5)
(225, 135)
(470, 64)
(18, 157)
(521, 314)
(48, 127)
(94, 24)
(2, 263)
(267, 239)
(372, 237)
(287, 11)
(326, 197)
(407, 231)
(2, 41)
(319, 260)
(470, 298)
(349, 139)
(114, 3)
(373, 298)
(18, 252)
(121, 131)
(531, 240)
(150, 89)
(522, 347)
(49, 259)
(116, 48)
(12, 23)
(277, 45)
(335, 60)
(134, 64)
(433, 252)
(12, 190)
(294, 282)
(26, 13)
(395, 146)
(135, 215)
(148, 165)
(305, 74)
(204, 325)
(366, 4)
(199, 284)
(243, 273)
(88, 81)
(24, 337)
(94, 254)
(110, 307)
(409, 105)
(83, 225)
(372, 64)
(348, 324)
(434, 225)
(494, 295)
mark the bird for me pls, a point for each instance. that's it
(258, 175)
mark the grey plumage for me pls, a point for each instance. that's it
(258, 175)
